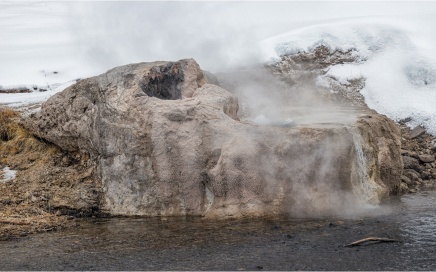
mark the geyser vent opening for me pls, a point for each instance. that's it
(164, 82)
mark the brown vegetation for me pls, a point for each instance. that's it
(46, 186)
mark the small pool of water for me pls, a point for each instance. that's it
(308, 117)
(244, 244)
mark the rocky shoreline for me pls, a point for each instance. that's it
(418, 150)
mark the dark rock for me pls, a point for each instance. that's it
(411, 174)
(426, 158)
(406, 180)
(428, 184)
(404, 152)
(405, 120)
(413, 154)
(410, 163)
(404, 188)
(416, 132)
(425, 175)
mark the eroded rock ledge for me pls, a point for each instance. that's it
(167, 143)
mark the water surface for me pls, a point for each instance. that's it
(244, 244)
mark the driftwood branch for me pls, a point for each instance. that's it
(372, 239)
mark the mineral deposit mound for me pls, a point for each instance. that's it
(165, 142)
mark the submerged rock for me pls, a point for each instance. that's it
(167, 143)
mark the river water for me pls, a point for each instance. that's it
(243, 244)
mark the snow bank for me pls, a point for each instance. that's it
(37, 51)
(395, 55)
(22, 99)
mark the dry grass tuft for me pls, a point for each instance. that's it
(18, 226)
(49, 184)
(15, 139)
(7, 125)
(22, 151)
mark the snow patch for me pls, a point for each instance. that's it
(8, 174)
(23, 99)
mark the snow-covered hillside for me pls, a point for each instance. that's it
(36, 50)
(395, 56)
(49, 45)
